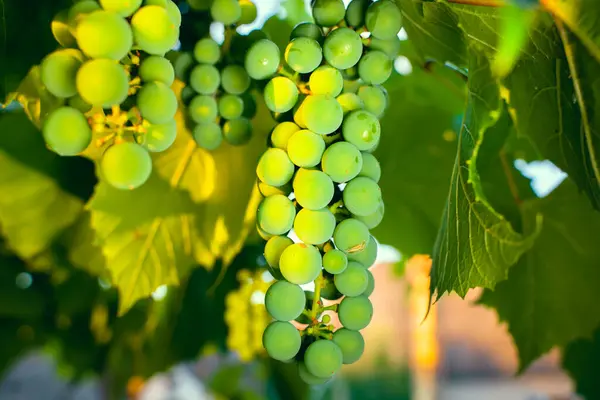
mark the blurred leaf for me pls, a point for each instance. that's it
(278, 30)
(580, 360)
(296, 11)
(83, 251)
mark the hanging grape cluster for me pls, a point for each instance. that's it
(320, 178)
(115, 83)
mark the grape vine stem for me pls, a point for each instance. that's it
(315, 305)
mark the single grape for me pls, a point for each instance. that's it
(362, 129)
(375, 67)
(282, 133)
(362, 196)
(102, 82)
(281, 340)
(227, 12)
(275, 168)
(342, 161)
(285, 301)
(373, 220)
(231, 106)
(328, 12)
(370, 168)
(174, 12)
(79, 10)
(61, 31)
(366, 258)
(156, 68)
(391, 47)
(208, 135)
(203, 109)
(355, 313)
(122, 7)
(383, 19)
(207, 51)
(307, 30)
(350, 102)
(276, 214)
(300, 263)
(298, 111)
(157, 102)
(273, 249)
(103, 34)
(370, 285)
(351, 343)
(323, 358)
(126, 165)
(160, 137)
(153, 30)
(314, 226)
(58, 72)
(351, 236)
(309, 378)
(199, 5)
(326, 80)
(353, 281)
(182, 64)
(78, 103)
(280, 94)
(237, 131)
(303, 55)
(313, 189)
(268, 190)
(322, 114)
(343, 48)
(205, 79)
(66, 131)
(234, 79)
(262, 59)
(335, 261)
(305, 148)
(249, 12)
(329, 291)
(374, 99)
(355, 13)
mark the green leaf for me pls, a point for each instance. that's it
(296, 11)
(34, 208)
(580, 360)
(550, 297)
(83, 251)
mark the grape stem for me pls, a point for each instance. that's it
(229, 32)
(332, 307)
(317, 297)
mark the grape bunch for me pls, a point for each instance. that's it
(245, 314)
(115, 82)
(319, 179)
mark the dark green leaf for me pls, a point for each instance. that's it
(580, 360)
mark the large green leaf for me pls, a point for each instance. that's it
(580, 360)
(550, 297)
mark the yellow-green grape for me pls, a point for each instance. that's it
(313, 189)
(273, 249)
(285, 301)
(126, 165)
(282, 133)
(335, 261)
(309, 30)
(231, 106)
(370, 285)
(237, 131)
(249, 12)
(102, 83)
(350, 102)
(66, 131)
(323, 358)
(355, 313)
(281, 94)
(58, 72)
(227, 12)
(160, 137)
(205, 79)
(314, 226)
(367, 257)
(351, 343)
(370, 167)
(281, 340)
(275, 168)
(383, 19)
(326, 80)
(375, 67)
(391, 47)
(343, 48)
(342, 161)
(61, 31)
(300, 263)
(156, 68)
(322, 114)
(362, 129)
(208, 135)
(276, 214)
(353, 281)
(268, 190)
(234, 79)
(203, 109)
(172, 9)
(122, 7)
(262, 59)
(373, 220)
(153, 30)
(305, 148)
(362, 196)
(157, 102)
(351, 236)
(79, 10)
(103, 34)
(303, 55)
(328, 12)
(309, 378)
(355, 13)
(374, 99)
(207, 51)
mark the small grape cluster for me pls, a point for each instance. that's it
(320, 178)
(115, 84)
(245, 314)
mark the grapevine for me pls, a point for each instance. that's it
(319, 179)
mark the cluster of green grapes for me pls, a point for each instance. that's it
(115, 83)
(319, 178)
(219, 105)
(245, 314)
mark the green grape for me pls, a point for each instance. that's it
(370, 285)
(280, 94)
(160, 137)
(276, 214)
(328, 12)
(305, 148)
(350, 102)
(355, 13)
(309, 378)
(366, 258)
(249, 105)
(383, 19)
(203, 109)
(199, 5)
(205, 79)
(182, 64)
(79, 10)
(234, 79)
(313, 189)
(231, 106)
(322, 114)
(61, 31)
(126, 165)
(374, 99)
(208, 135)
(300, 263)
(307, 30)
(227, 12)
(157, 102)
(342, 162)
(355, 313)
(351, 236)
(314, 226)
(362, 129)
(153, 30)
(237, 131)
(156, 68)
(323, 358)
(281, 340)
(78, 103)
(262, 59)
(351, 343)
(329, 291)
(391, 47)
(170, 7)
(362, 196)
(207, 51)
(58, 72)
(282, 133)
(103, 34)
(335, 261)
(102, 83)
(249, 12)
(264, 235)
(275, 168)
(343, 48)
(285, 301)
(353, 281)
(373, 220)
(303, 55)
(370, 168)
(268, 190)
(326, 80)
(298, 111)
(66, 131)
(273, 249)
(375, 67)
